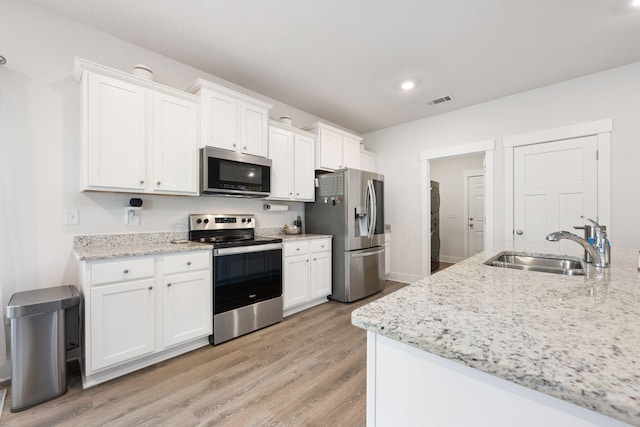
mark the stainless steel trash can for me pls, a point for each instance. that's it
(38, 350)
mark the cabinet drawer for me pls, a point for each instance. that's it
(119, 271)
(320, 245)
(187, 262)
(296, 248)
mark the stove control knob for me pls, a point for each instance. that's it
(249, 220)
(198, 221)
(206, 221)
(244, 219)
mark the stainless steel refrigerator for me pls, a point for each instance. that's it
(349, 205)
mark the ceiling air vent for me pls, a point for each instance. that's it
(440, 100)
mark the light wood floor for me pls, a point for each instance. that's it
(308, 370)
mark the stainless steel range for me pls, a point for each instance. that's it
(247, 274)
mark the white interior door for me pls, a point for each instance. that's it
(475, 217)
(553, 184)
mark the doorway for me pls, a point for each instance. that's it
(482, 148)
(451, 175)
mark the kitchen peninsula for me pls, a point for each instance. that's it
(480, 345)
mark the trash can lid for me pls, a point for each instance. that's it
(41, 301)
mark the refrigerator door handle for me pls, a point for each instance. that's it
(368, 253)
(371, 210)
(374, 209)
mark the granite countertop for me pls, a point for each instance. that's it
(302, 236)
(576, 338)
(103, 246)
(95, 247)
(279, 233)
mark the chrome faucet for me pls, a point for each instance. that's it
(598, 247)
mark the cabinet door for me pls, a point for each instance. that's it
(296, 280)
(351, 153)
(304, 174)
(188, 307)
(329, 152)
(280, 153)
(320, 275)
(387, 253)
(367, 161)
(219, 120)
(175, 145)
(122, 322)
(253, 129)
(115, 148)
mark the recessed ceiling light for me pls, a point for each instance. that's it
(407, 85)
(636, 3)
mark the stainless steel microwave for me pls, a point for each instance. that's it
(227, 173)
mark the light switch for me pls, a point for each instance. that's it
(71, 217)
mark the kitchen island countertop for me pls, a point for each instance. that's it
(576, 338)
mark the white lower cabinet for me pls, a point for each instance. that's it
(142, 310)
(307, 274)
(387, 253)
(187, 306)
(122, 322)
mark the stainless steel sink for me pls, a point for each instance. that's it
(559, 264)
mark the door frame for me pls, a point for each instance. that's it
(486, 147)
(466, 175)
(601, 129)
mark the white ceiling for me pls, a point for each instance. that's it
(343, 59)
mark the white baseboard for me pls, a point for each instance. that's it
(451, 259)
(403, 278)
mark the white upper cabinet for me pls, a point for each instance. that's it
(137, 136)
(231, 120)
(335, 148)
(115, 134)
(175, 145)
(367, 161)
(291, 153)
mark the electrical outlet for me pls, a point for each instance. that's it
(71, 217)
(132, 215)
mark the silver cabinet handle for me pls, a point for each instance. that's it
(244, 148)
(233, 145)
(307, 260)
(188, 262)
(297, 194)
(126, 271)
(315, 259)
(159, 182)
(519, 232)
(290, 193)
(142, 181)
(168, 285)
(150, 287)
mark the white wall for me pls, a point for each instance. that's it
(609, 94)
(449, 173)
(39, 148)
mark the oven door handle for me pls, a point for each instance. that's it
(247, 249)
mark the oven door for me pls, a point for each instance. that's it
(246, 275)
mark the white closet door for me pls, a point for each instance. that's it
(554, 183)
